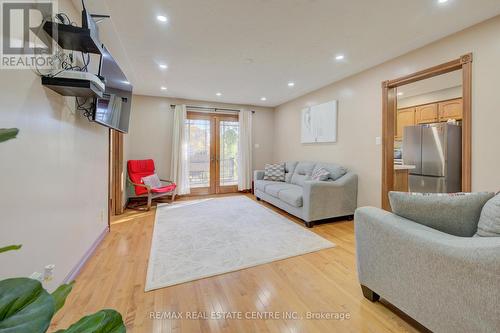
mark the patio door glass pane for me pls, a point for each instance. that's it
(199, 152)
(228, 159)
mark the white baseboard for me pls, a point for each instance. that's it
(76, 270)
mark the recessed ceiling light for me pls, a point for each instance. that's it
(161, 18)
(163, 88)
(291, 84)
(263, 99)
(163, 66)
(218, 94)
(442, 1)
(339, 57)
(400, 93)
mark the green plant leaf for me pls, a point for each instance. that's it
(25, 307)
(10, 248)
(60, 295)
(104, 321)
(8, 133)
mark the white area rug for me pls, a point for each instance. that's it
(198, 239)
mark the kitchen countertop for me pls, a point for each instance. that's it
(404, 167)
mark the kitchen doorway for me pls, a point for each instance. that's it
(212, 152)
(427, 130)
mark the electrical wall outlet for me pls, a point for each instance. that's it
(48, 273)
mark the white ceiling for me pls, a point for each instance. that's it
(247, 49)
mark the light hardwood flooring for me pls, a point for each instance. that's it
(321, 282)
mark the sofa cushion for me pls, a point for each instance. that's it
(336, 171)
(261, 184)
(275, 172)
(454, 213)
(292, 196)
(289, 168)
(489, 222)
(274, 189)
(302, 172)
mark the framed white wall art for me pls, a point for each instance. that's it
(319, 123)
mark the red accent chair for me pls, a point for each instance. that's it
(138, 169)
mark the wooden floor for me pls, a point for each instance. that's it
(323, 282)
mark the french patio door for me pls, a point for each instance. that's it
(212, 152)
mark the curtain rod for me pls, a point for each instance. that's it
(208, 108)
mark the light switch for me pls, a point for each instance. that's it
(257, 146)
(378, 140)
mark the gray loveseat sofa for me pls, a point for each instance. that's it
(307, 199)
(445, 282)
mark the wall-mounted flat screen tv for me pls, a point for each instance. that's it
(113, 109)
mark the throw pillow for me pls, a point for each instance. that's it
(152, 181)
(489, 222)
(453, 213)
(320, 174)
(336, 171)
(275, 172)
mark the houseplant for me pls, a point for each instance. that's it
(26, 307)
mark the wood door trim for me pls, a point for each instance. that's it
(444, 68)
(110, 179)
(467, 124)
(388, 123)
(463, 63)
(116, 176)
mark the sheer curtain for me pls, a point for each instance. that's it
(245, 151)
(179, 169)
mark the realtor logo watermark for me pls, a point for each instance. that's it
(24, 43)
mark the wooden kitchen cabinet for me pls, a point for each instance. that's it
(404, 118)
(428, 113)
(401, 180)
(452, 109)
(425, 114)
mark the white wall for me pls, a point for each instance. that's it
(53, 192)
(431, 97)
(360, 115)
(150, 132)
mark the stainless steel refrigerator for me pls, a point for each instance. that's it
(436, 152)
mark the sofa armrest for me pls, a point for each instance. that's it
(323, 199)
(410, 264)
(473, 250)
(258, 175)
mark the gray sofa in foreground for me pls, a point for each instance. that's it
(307, 199)
(445, 282)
